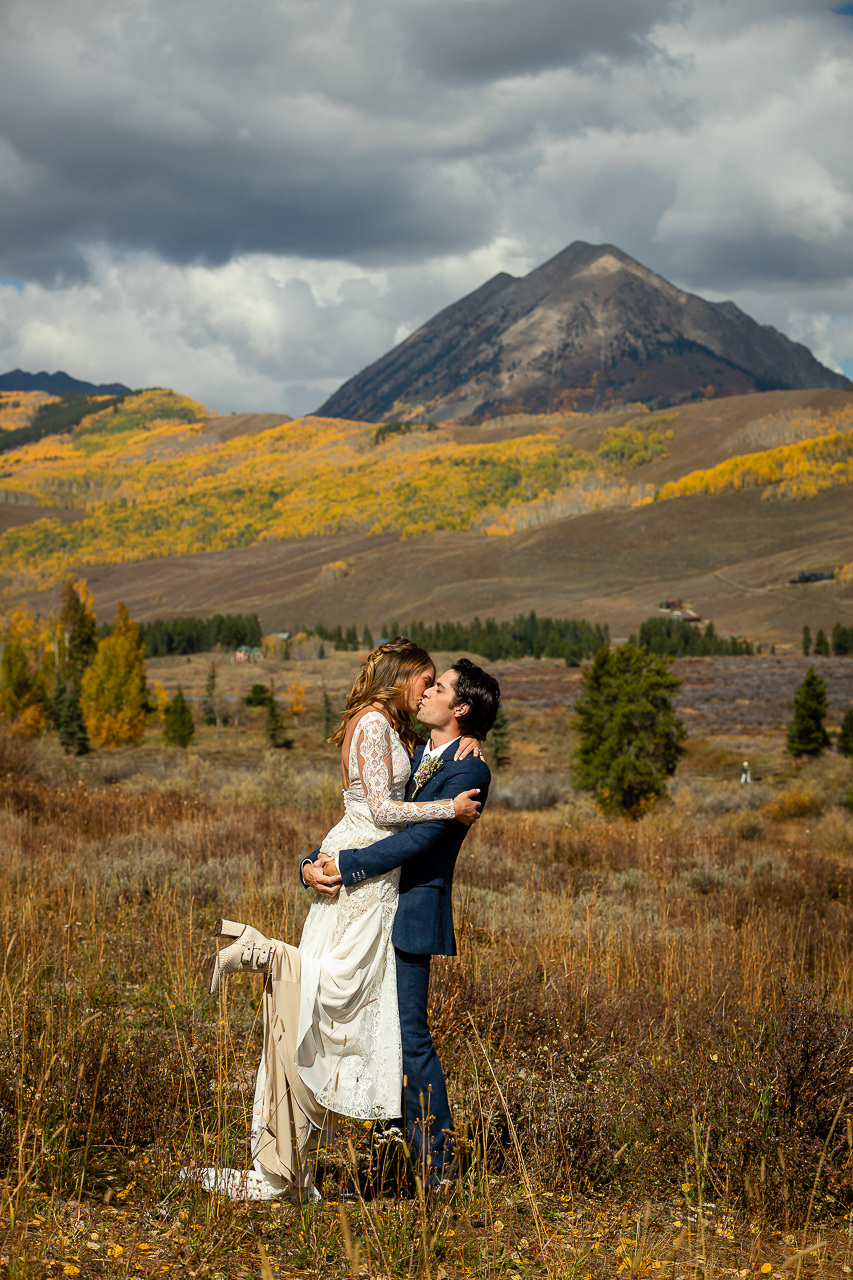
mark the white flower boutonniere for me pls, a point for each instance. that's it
(426, 769)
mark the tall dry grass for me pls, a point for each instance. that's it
(648, 1025)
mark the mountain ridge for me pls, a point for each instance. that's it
(589, 329)
(57, 384)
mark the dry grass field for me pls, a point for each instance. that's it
(648, 1032)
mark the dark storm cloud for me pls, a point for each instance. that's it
(485, 39)
(236, 197)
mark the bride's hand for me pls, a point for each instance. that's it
(466, 808)
(468, 746)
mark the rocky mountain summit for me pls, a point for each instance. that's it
(590, 329)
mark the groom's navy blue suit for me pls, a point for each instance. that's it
(427, 853)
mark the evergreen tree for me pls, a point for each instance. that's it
(366, 639)
(807, 735)
(630, 736)
(844, 744)
(499, 739)
(321, 652)
(68, 714)
(178, 725)
(112, 691)
(276, 731)
(80, 630)
(821, 644)
(330, 719)
(208, 710)
(807, 640)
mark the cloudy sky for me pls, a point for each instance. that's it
(250, 202)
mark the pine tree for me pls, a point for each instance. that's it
(276, 731)
(630, 737)
(208, 710)
(844, 744)
(330, 719)
(807, 735)
(178, 724)
(112, 691)
(68, 714)
(499, 739)
(80, 629)
(366, 639)
(807, 640)
(821, 644)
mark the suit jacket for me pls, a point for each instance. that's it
(427, 853)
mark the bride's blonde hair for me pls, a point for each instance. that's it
(383, 677)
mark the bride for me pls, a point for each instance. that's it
(331, 1021)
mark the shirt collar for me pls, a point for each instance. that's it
(437, 751)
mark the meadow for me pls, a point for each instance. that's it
(648, 1032)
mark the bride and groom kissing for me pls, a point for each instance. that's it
(345, 1013)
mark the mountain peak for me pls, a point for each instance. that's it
(588, 329)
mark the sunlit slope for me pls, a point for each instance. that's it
(151, 478)
(304, 478)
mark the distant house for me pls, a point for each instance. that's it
(811, 575)
(672, 602)
(245, 654)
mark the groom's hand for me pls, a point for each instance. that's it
(322, 876)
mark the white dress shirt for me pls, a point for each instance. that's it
(430, 751)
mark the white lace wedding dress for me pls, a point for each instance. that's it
(348, 1041)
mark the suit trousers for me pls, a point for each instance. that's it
(426, 1110)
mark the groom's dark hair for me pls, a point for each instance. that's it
(483, 695)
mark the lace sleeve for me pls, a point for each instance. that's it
(373, 752)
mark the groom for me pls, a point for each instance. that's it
(464, 700)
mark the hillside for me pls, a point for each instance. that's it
(590, 329)
(323, 520)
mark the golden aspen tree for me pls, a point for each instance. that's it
(27, 672)
(296, 699)
(112, 692)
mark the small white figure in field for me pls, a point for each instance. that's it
(745, 775)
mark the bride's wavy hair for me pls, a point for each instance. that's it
(383, 677)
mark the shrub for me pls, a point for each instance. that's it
(793, 804)
(630, 736)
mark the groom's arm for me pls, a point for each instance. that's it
(355, 865)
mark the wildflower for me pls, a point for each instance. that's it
(766, 1268)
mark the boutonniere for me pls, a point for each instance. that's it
(426, 769)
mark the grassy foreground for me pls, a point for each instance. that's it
(647, 1034)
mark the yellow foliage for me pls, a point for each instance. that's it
(161, 700)
(303, 478)
(793, 804)
(295, 693)
(792, 471)
(112, 691)
(18, 408)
